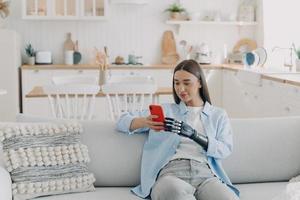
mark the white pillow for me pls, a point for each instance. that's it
(45, 159)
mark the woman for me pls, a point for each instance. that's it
(183, 161)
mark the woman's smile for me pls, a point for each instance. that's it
(183, 95)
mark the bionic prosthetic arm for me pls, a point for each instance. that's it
(183, 129)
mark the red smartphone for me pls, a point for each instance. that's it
(157, 110)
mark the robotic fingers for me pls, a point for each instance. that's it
(183, 129)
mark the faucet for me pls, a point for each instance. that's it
(288, 64)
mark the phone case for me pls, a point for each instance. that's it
(157, 110)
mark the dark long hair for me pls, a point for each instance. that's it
(194, 68)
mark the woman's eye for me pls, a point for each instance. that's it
(176, 83)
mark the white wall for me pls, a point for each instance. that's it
(281, 28)
(128, 29)
(216, 35)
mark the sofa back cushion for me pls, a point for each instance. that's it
(265, 149)
(115, 156)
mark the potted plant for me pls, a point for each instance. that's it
(297, 52)
(175, 11)
(30, 52)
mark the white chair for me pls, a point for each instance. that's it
(72, 101)
(129, 93)
(75, 79)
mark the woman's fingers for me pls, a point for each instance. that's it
(156, 123)
(157, 126)
(151, 117)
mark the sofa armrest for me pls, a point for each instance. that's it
(5, 185)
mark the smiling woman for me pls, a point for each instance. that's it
(194, 133)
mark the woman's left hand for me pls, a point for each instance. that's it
(157, 126)
(148, 122)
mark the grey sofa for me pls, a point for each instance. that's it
(266, 155)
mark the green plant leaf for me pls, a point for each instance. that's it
(29, 50)
(175, 8)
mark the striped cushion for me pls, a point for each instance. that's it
(45, 159)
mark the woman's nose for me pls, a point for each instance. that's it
(181, 88)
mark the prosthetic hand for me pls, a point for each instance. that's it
(183, 129)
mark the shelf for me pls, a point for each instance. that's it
(233, 23)
(180, 23)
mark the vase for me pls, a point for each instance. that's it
(69, 60)
(102, 77)
(31, 60)
(175, 15)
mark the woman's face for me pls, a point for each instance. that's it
(187, 86)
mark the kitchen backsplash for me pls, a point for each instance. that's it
(129, 29)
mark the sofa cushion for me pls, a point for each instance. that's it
(103, 193)
(113, 154)
(261, 191)
(265, 149)
(45, 158)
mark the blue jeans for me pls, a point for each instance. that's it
(184, 179)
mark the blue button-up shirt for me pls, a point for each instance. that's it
(161, 146)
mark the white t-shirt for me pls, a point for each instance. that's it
(187, 148)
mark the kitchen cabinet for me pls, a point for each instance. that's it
(36, 9)
(242, 98)
(64, 9)
(93, 9)
(40, 77)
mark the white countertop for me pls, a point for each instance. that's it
(287, 76)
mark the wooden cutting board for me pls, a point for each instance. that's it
(247, 43)
(69, 44)
(168, 48)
